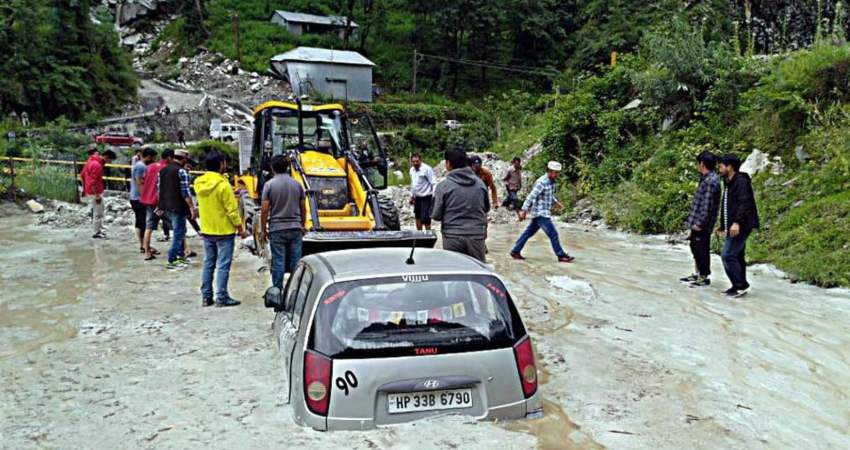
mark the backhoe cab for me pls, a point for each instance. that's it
(337, 157)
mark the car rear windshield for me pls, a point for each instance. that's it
(414, 315)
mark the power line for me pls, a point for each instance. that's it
(490, 65)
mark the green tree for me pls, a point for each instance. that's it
(59, 62)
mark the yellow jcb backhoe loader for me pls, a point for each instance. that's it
(338, 159)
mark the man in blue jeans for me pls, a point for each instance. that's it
(175, 201)
(283, 218)
(738, 218)
(539, 203)
(220, 221)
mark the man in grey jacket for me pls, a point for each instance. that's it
(461, 204)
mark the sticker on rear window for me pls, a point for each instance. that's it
(362, 314)
(422, 316)
(458, 310)
(414, 278)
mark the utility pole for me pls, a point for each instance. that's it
(236, 35)
(415, 64)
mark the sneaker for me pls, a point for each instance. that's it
(99, 235)
(226, 302)
(566, 259)
(517, 256)
(207, 301)
(700, 282)
(689, 279)
(729, 291)
(177, 264)
(738, 293)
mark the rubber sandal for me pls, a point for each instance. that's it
(149, 258)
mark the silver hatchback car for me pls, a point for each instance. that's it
(371, 337)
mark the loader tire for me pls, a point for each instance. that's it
(389, 213)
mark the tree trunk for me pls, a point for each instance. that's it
(199, 8)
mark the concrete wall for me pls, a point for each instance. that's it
(195, 125)
(342, 82)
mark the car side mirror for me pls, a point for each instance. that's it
(273, 298)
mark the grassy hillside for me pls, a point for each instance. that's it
(637, 163)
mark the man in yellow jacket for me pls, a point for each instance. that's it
(220, 221)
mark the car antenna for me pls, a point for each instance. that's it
(410, 260)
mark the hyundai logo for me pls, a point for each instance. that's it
(431, 384)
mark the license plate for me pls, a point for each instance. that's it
(429, 401)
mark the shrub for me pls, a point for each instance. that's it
(798, 88)
(199, 151)
(48, 181)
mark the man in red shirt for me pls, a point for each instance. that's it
(150, 198)
(93, 187)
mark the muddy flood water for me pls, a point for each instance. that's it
(101, 350)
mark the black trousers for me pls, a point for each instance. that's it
(701, 249)
(734, 259)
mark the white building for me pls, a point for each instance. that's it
(300, 23)
(339, 74)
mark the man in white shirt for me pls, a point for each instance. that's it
(422, 184)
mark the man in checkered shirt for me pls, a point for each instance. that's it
(701, 219)
(539, 204)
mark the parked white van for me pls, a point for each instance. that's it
(227, 132)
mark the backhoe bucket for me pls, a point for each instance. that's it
(323, 241)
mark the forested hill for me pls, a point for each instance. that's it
(65, 59)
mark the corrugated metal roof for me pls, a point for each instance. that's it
(290, 16)
(323, 55)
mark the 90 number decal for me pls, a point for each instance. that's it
(349, 380)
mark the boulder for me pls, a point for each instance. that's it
(756, 162)
(132, 40)
(35, 207)
(633, 104)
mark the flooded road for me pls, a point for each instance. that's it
(100, 350)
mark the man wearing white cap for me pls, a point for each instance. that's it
(539, 203)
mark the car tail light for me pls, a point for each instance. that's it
(317, 382)
(524, 354)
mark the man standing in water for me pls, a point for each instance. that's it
(283, 218)
(175, 200)
(486, 177)
(93, 187)
(461, 204)
(422, 184)
(137, 184)
(540, 203)
(513, 183)
(220, 221)
(738, 218)
(701, 219)
(150, 198)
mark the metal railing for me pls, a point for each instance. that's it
(13, 167)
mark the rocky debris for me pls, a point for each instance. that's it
(400, 195)
(680, 238)
(759, 161)
(586, 213)
(215, 74)
(117, 211)
(801, 154)
(532, 152)
(128, 11)
(34, 206)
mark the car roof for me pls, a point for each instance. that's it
(374, 262)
